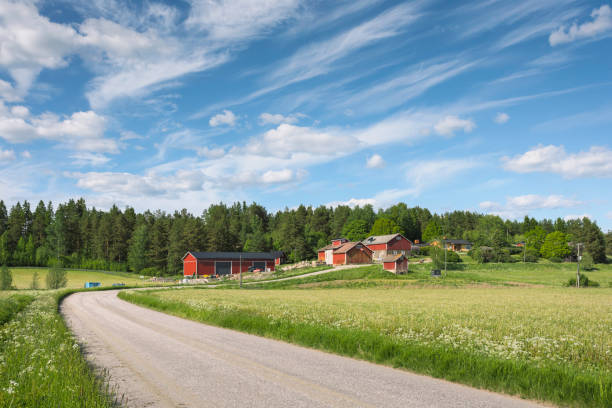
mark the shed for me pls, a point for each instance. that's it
(197, 264)
(351, 253)
(397, 264)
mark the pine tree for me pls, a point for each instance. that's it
(137, 256)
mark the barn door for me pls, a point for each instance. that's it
(223, 268)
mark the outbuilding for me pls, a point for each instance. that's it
(197, 264)
(397, 264)
(392, 244)
(351, 253)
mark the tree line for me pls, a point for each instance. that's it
(73, 235)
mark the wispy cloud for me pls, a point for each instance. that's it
(518, 206)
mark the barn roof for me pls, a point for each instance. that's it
(326, 247)
(457, 241)
(380, 239)
(236, 255)
(344, 248)
(393, 258)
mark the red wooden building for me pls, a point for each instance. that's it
(342, 252)
(392, 244)
(197, 264)
(397, 264)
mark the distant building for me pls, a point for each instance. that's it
(196, 264)
(392, 244)
(457, 245)
(343, 252)
(397, 264)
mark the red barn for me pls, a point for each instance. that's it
(196, 264)
(326, 253)
(351, 253)
(392, 244)
(397, 264)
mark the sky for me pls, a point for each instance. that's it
(490, 106)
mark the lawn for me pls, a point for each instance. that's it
(22, 278)
(549, 343)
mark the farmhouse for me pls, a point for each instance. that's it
(392, 244)
(196, 264)
(342, 252)
(453, 244)
(397, 264)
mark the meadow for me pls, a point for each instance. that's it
(22, 278)
(41, 364)
(538, 340)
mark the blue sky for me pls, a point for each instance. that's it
(491, 106)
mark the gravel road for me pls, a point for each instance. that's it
(157, 360)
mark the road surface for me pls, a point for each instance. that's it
(157, 360)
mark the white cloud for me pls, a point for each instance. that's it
(317, 58)
(26, 154)
(239, 19)
(577, 217)
(375, 162)
(214, 153)
(382, 199)
(501, 118)
(290, 141)
(450, 124)
(6, 155)
(602, 22)
(226, 118)
(276, 119)
(30, 42)
(519, 206)
(89, 159)
(83, 131)
(596, 162)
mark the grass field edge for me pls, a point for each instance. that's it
(564, 386)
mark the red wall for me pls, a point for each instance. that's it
(377, 247)
(389, 266)
(207, 267)
(403, 243)
(322, 256)
(339, 259)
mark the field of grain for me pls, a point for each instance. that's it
(22, 278)
(561, 325)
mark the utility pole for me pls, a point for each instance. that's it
(241, 270)
(445, 257)
(578, 265)
(524, 251)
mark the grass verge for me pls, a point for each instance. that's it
(41, 364)
(557, 383)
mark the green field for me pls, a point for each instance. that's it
(22, 278)
(502, 327)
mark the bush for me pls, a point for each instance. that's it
(584, 282)
(152, 271)
(504, 256)
(452, 256)
(482, 254)
(34, 284)
(425, 251)
(531, 255)
(56, 278)
(6, 278)
(555, 259)
(586, 262)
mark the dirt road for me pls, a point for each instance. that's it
(157, 360)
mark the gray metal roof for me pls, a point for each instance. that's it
(235, 255)
(379, 239)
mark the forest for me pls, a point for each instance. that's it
(153, 243)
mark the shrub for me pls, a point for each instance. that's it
(584, 282)
(586, 262)
(555, 259)
(56, 278)
(482, 254)
(503, 255)
(6, 278)
(531, 255)
(425, 250)
(34, 284)
(151, 271)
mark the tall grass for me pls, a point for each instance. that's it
(456, 343)
(41, 365)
